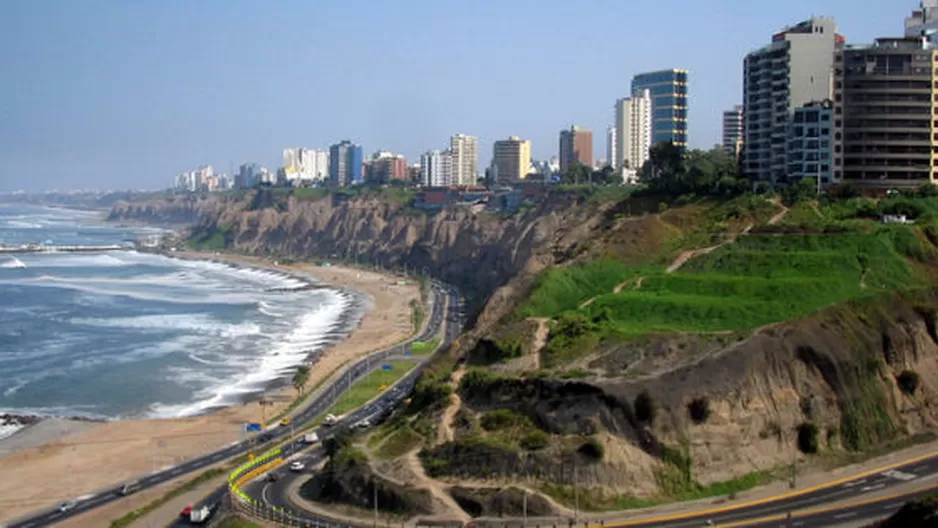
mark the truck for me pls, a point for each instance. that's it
(310, 438)
(200, 515)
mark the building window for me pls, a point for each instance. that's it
(825, 117)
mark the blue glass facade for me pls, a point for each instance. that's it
(345, 164)
(669, 104)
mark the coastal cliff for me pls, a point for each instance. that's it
(476, 250)
(666, 351)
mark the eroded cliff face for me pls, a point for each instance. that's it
(478, 251)
(837, 371)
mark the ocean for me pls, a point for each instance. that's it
(127, 334)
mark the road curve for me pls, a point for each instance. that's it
(439, 295)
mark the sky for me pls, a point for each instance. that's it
(128, 94)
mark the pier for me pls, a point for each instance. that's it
(42, 248)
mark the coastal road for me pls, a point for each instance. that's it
(864, 497)
(439, 295)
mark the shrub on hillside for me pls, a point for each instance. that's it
(535, 440)
(502, 419)
(807, 438)
(699, 409)
(592, 449)
(908, 381)
(644, 407)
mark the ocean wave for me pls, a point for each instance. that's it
(310, 331)
(199, 323)
(264, 308)
(12, 263)
(74, 260)
(7, 430)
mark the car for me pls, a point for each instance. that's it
(186, 511)
(297, 466)
(273, 477)
(66, 506)
(286, 421)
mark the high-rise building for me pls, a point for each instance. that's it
(386, 166)
(511, 159)
(794, 69)
(923, 22)
(413, 174)
(345, 164)
(733, 131)
(576, 146)
(668, 90)
(810, 142)
(436, 168)
(635, 129)
(884, 134)
(248, 176)
(305, 165)
(465, 152)
(612, 147)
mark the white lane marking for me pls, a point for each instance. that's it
(264, 494)
(894, 506)
(899, 475)
(176, 471)
(798, 523)
(845, 515)
(855, 483)
(873, 487)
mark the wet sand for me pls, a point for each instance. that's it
(67, 459)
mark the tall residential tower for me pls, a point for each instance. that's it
(794, 69)
(668, 89)
(634, 129)
(511, 159)
(576, 146)
(465, 152)
(733, 131)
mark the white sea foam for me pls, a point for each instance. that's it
(75, 260)
(199, 323)
(7, 430)
(12, 262)
(309, 331)
(264, 308)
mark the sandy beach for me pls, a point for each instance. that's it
(61, 459)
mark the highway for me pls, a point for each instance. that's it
(439, 295)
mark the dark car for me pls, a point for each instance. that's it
(273, 477)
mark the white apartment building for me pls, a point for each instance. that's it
(611, 149)
(307, 165)
(733, 130)
(436, 168)
(794, 69)
(465, 159)
(633, 133)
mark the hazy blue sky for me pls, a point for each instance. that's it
(126, 93)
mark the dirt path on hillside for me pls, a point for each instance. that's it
(540, 337)
(421, 480)
(445, 432)
(781, 214)
(692, 253)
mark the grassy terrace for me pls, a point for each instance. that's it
(762, 279)
(821, 254)
(369, 387)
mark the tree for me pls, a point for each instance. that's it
(576, 174)
(301, 378)
(607, 176)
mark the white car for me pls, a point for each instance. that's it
(66, 506)
(297, 466)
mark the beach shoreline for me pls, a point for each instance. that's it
(66, 458)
